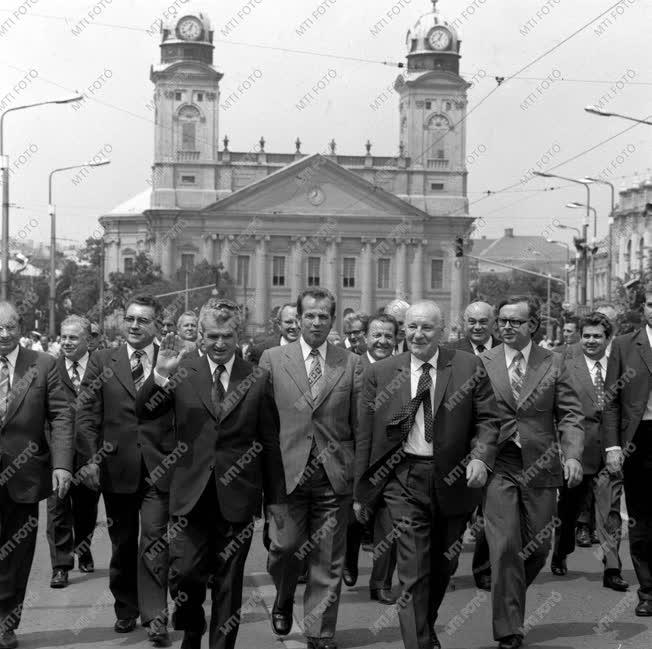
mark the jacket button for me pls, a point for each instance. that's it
(138, 444)
(211, 467)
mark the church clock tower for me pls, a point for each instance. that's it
(186, 93)
(432, 114)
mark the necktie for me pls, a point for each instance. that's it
(74, 377)
(598, 383)
(315, 374)
(137, 370)
(516, 380)
(423, 395)
(217, 391)
(4, 386)
(479, 349)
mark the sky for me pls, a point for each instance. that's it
(533, 120)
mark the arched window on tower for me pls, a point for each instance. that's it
(188, 118)
(437, 129)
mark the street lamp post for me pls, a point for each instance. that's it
(567, 267)
(575, 205)
(585, 225)
(563, 226)
(4, 162)
(594, 110)
(53, 239)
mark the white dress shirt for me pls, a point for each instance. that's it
(487, 345)
(416, 440)
(82, 362)
(226, 375)
(11, 357)
(590, 364)
(147, 359)
(510, 353)
(370, 357)
(284, 341)
(307, 358)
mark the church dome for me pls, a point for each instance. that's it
(432, 33)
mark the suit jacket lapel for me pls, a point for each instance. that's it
(444, 363)
(333, 370)
(122, 370)
(63, 373)
(498, 374)
(203, 382)
(23, 376)
(235, 393)
(583, 378)
(296, 368)
(644, 349)
(537, 367)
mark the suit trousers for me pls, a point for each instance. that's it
(18, 527)
(636, 472)
(481, 564)
(138, 570)
(204, 543)
(313, 529)
(427, 545)
(606, 490)
(519, 521)
(70, 525)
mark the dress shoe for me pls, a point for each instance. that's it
(191, 640)
(510, 642)
(8, 640)
(282, 618)
(59, 578)
(614, 581)
(644, 608)
(350, 577)
(321, 643)
(483, 582)
(582, 537)
(85, 562)
(125, 625)
(382, 595)
(558, 566)
(158, 634)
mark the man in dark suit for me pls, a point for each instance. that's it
(537, 405)
(227, 429)
(316, 395)
(587, 368)
(289, 330)
(379, 344)
(71, 520)
(428, 430)
(627, 424)
(134, 486)
(33, 464)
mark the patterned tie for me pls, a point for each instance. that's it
(5, 388)
(598, 383)
(137, 369)
(217, 391)
(479, 349)
(315, 374)
(516, 380)
(74, 377)
(423, 395)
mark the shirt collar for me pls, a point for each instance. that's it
(284, 341)
(591, 362)
(228, 366)
(510, 353)
(487, 345)
(416, 363)
(81, 361)
(370, 357)
(12, 356)
(306, 349)
(149, 351)
(648, 329)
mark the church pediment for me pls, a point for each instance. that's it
(315, 186)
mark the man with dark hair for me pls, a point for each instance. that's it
(587, 366)
(316, 395)
(288, 332)
(71, 520)
(355, 327)
(134, 486)
(537, 405)
(397, 309)
(95, 337)
(224, 415)
(33, 462)
(570, 334)
(627, 430)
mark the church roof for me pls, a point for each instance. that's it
(135, 206)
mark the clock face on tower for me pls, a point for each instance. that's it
(439, 38)
(189, 28)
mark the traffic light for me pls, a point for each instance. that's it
(459, 246)
(579, 243)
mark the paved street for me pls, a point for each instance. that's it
(81, 616)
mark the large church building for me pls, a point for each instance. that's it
(369, 228)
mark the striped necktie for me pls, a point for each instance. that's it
(217, 391)
(315, 374)
(5, 386)
(516, 380)
(137, 369)
(74, 376)
(598, 383)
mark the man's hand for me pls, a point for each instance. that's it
(572, 473)
(90, 474)
(170, 354)
(361, 513)
(278, 513)
(615, 459)
(476, 474)
(61, 480)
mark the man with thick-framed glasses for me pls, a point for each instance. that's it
(540, 415)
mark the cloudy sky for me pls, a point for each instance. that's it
(41, 58)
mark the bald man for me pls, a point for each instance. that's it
(479, 321)
(397, 309)
(431, 398)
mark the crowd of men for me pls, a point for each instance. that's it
(392, 438)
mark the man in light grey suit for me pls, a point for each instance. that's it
(316, 397)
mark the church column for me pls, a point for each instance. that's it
(208, 246)
(111, 256)
(400, 261)
(367, 297)
(417, 271)
(169, 258)
(296, 281)
(225, 251)
(331, 271)
(261, 309)
(457, 289)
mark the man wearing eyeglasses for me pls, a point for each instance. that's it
(127, 457)
(540, 415)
